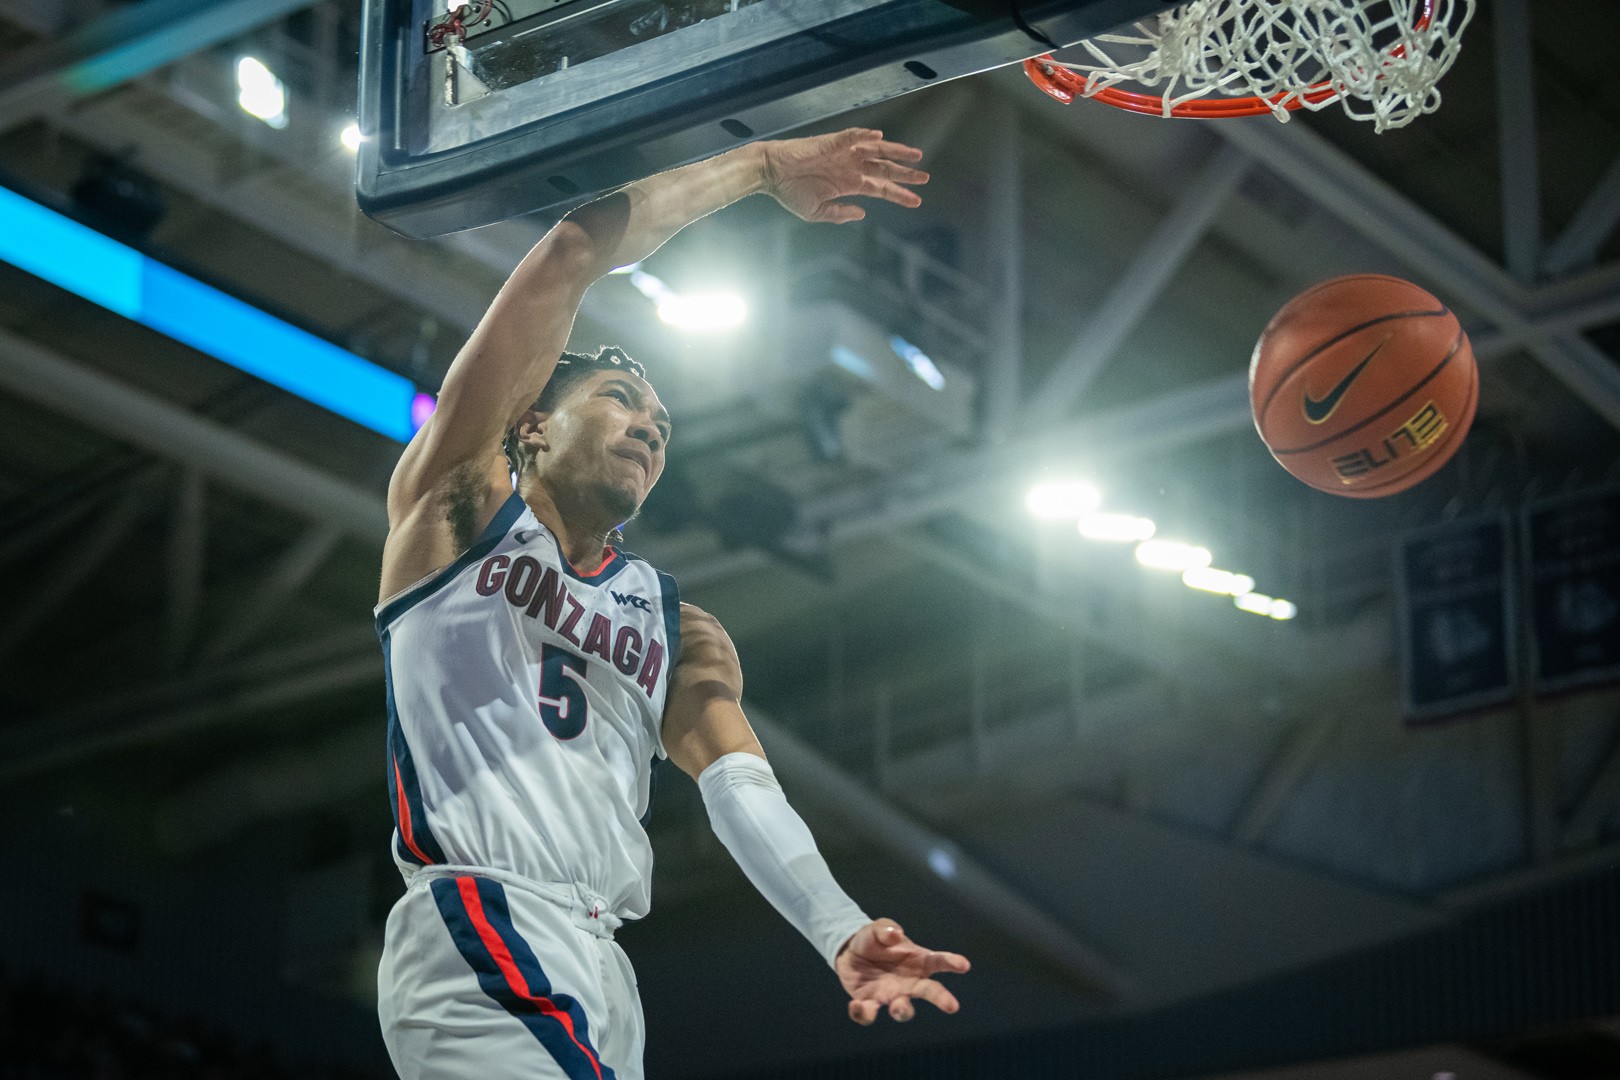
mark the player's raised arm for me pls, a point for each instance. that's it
(514, 349)
(515, 346)
(452, 476)
(708, 736)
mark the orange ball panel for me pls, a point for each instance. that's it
(1360, 377)
(1363, 385)
(1389, 463)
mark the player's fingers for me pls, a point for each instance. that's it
(946, 961)
(903, 196)
(899, 151)
(889, 191)
(863, 1012)
(900, 1010)
(890, 935)
(851, 136)
(936, 995)
(900, 174)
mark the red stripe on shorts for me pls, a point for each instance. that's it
(514, 978)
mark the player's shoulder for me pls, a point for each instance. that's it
(703, 640)
(699, 624)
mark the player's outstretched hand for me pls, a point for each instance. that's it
(811, 176)
(882, 967)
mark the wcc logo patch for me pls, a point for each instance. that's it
(631, 599)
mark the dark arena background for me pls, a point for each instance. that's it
(1355, 816)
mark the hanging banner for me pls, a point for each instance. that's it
(1454, 584)
(1574, 552)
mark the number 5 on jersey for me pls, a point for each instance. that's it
(563, 708)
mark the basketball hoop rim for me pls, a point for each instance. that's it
(1058, 82)
(1053, 78)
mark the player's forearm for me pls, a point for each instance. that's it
(634, 222)
(775, 850)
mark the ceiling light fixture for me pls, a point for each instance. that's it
(1224, 582)
(918, 361)
(260, 93)
(700, 311)
(704, 311)
(1116, 528)
(1261, 604)
(1172, 555)
(1062, 500)
(1257, 603)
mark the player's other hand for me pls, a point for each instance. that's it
(811, 176)
(881, 967)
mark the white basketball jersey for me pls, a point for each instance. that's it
(525, 700)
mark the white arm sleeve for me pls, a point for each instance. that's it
(773, 846)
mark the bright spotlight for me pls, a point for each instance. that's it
(918, 361)
(1212, 580)
(1172, 555)
(705, 311)
(1257, 603)
(260, 93)
(1059, 500)
(702, 311)
(1261, 604)
(1116, 528)
(350, 137)
(648, 285)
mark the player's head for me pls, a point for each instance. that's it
(596, 434)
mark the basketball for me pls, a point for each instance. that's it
(1364, 385)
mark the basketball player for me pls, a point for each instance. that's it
(535, 672)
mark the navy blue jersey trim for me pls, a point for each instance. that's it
(672, 608)
(672, 655)
(539, 1010)
(402, 779)
(498, 527)
(672, 619)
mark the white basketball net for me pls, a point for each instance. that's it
(1381, 59)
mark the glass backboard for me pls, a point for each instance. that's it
(477, 112)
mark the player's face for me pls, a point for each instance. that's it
(610, 433)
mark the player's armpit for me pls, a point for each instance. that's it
(703, 717)
(439, 525)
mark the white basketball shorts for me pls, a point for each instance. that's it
(485, 976)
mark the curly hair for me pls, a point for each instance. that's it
(571, 368)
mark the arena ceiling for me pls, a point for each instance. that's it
(1145, 794)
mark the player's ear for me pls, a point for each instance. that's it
(533, 429)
